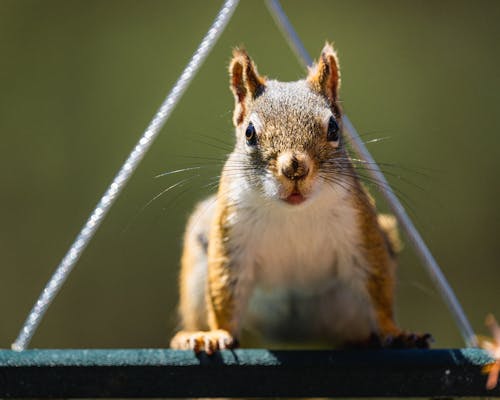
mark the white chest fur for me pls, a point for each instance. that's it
(308, 255)
(304, 246)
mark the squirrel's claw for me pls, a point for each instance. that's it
(408, 340)
(208, 341)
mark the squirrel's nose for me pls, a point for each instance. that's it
(294, 166)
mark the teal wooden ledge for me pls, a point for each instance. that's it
(243, 373)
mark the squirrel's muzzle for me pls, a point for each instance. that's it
(294, 166)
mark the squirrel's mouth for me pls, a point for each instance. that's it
(295, 198)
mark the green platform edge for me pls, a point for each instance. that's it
(156, 373)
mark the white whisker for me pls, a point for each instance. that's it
(177, 171)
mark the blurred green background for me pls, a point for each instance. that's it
(80, 80)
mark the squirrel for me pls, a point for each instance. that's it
(291, 246)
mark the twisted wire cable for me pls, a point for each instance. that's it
(68, 262)
(428, 260)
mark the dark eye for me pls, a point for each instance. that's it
(333, 130)
(251, 135)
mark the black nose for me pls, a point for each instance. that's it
(295, 170)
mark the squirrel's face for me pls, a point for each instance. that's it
(290, 138)
(288, 134)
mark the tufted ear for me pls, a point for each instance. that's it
(246, 84)
(324, 76)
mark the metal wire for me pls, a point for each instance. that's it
(68, 262)
(404, 220)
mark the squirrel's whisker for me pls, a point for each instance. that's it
(177, 171)
(169, 188)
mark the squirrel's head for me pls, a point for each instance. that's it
(288, 133)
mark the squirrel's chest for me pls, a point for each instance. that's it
(304, 248)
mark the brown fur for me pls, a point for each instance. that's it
(378, 254)
(245, 82)
(221, 281)
(324, 77)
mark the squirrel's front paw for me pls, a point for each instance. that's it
(408, 340)
(208, 341)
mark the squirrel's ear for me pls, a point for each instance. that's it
(246, 83)
(324, 76)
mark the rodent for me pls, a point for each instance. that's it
(291, 246)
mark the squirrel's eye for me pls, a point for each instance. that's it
(251, 135)
(332, 134)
